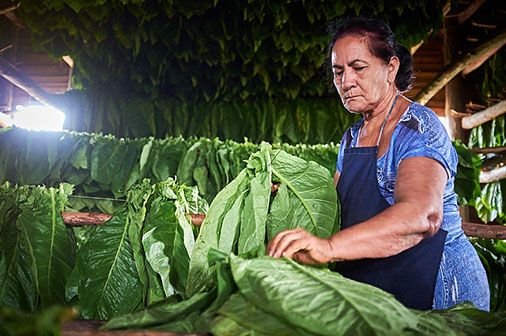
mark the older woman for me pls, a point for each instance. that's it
(401, 229)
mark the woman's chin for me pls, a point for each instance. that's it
(353, 108)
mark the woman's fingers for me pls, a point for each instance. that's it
(282, 240)
(301, 246)
(304, 258)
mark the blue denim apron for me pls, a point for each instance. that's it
(410, 275)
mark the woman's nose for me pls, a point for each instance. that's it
(347, 80)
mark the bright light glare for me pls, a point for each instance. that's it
(39, 118)
(444, 121)
(5, 120)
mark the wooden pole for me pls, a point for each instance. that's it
(469, 11)
(493, 175)
(25, 83)
(456, 67)
(97, 218)
(484, 116)
(489, 150)
(86, 218)
(455, 88)
(484, 230)
(6, 8)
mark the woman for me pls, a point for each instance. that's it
(401, 229)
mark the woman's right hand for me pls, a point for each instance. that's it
(301, 246)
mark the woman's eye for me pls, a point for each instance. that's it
(338, 73)
(359, 68)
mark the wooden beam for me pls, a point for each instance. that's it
(489, 150)
(6, 8)
(488, 114)
(92, 328)
(493, 175)
(84, 218)
(480, 60)
(12, 17)
(456, 67)
(97, 218)
(11, 73)
(470, 10)
(491, 231)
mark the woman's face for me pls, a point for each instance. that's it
(361, 79)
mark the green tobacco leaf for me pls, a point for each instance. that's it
(238, 316)
(162, 313)
(199, 274)
(166, 245)
(157, 232)
(37, 157)
(467, 320)
(306, 197)
(319, 301)
(17, 282)
(110, 284)
(47, 321)
(115, 163)
(230, 226)
(187, 164)
(256, 203)
(137, 199)
(49, 241)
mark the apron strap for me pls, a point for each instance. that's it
(382, 127)
(386, 119)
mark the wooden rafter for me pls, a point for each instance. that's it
(11, 73)
(455, 68)
(80, 218)
(469, 11)
(479, 118)
(489, 150)
(8, 7)
(484, 230)
(493, 175)
(480, 60)
(97, 218)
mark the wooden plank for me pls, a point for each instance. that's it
(91, 328)
(491, 231)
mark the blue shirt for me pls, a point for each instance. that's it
(419, 133)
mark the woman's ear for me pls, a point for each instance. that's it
(393, 67)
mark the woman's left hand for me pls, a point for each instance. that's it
(301, 246)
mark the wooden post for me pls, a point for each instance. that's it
(455, 89)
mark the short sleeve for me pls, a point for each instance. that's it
(422, 134)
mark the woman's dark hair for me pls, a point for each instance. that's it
(382, 44)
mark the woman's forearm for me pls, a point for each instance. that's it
(388, 233)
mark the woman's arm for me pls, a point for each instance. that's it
(417, 212)
(336, 178)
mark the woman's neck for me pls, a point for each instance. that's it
(378, 113)
(374, 122)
